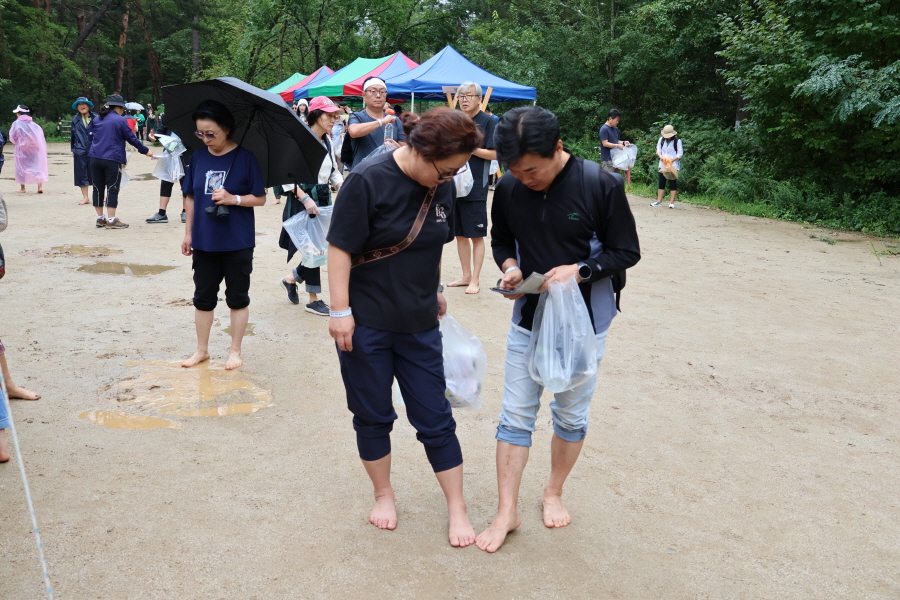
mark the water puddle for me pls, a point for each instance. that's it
(247, 332)
(141, 177)
(168, 389)
(72, 251)
(117, 268)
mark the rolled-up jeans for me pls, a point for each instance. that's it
(522, 397)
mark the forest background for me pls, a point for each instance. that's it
(787, 109)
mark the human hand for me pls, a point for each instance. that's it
(341, 330)
(391, 143)
(186, 246)
(626, 144)
(151, 136)
(511, 281)
(560, 274)
(149, 154)
(220, 197)
(442, 305)
(310, 206)
(388, 119)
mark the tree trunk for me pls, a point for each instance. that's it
(131, 95)
(95, 75)
(95, 20)
(47, 7)
(120, 64)
(155, 73)
(195, 46)
(79, 20)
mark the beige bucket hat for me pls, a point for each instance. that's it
(668, 131)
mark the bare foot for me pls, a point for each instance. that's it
(83, 202)
(234, 361)
(473, 288)
(277, 202)
(4, 447)
(22, 394)
(384, 514)
(462, 533)
(555, 514)
(459, 283)
(493, 537)
(196, 359)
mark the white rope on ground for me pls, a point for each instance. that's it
(37, 533)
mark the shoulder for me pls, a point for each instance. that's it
(359, 117)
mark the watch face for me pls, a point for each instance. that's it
(584, 272)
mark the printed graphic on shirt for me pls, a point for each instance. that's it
(441, 213)
(574, 216)
(214, 181)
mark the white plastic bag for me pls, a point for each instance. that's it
(124, 177)
(308, 235)
(624, 159)
(495, 166)
(465, 364)
(562, 352)
(464, 182)
(382, 149)
(169, 167)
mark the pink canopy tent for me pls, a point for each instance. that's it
(288, 94)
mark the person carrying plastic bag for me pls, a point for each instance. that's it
(669, 149)
(563, 217)
(169, 168)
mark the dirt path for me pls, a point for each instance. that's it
(743, 442)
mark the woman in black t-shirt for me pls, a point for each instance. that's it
(387, 234)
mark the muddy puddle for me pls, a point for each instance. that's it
(247, 332)
(141, 177)
(72, 251)
(167, 389)
(117, 268)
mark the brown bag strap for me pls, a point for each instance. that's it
(372, 255)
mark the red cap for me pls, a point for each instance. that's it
(322, 103)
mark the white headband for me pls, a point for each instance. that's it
(373, 81)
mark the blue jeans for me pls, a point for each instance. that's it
(522, 397)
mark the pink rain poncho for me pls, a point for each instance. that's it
(31, 151)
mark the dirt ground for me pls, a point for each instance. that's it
(743, 442)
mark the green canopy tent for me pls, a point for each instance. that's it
(293, 79)
(349, 80)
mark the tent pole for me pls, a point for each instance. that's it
(413, 103)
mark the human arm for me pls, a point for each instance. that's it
(503, 243)
(222, 197)
(486, 154)
(340, 328)
(621, 248)
(186, 247)
(357, 129)
(129, 136)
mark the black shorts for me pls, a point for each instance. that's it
(470, 219)
(210, 268)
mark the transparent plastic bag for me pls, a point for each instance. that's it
(562, 352)
(465, 364)
(624, 159)
(464, 182)
(495, 166)
(383, 149)
(169, 167)
(308, 234)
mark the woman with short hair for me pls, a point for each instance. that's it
(80, 144)
(221, 187)
(387, 235)
(109, 132)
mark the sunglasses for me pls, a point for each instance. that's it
(207, 136)
(443, 177)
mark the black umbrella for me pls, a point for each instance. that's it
(286, 148)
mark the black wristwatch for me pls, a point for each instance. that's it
(585, 271)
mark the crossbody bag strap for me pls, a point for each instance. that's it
(373, 255)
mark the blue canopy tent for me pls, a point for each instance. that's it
(449, 68)
(323, 74)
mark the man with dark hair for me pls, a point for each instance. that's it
(371, 127)
(609, 139)
(564, 217)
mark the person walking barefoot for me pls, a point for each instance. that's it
(14, 392)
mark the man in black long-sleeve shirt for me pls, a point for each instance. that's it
(550, 216)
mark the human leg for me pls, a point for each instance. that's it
(460, 529)
(113, 183)
(14, 390)
(673, 190)
(464, 249)
(165, 194)
(511, 461)
(237, 267)
(384, 514)
(208, 276)
(477, 263)
(98, 181)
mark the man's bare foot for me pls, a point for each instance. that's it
(384, 514)
(277, 202)
(493, 537)
(83, 202)
(473, 288)
(459, 283)
(21, 393)
(462, 533)
(555, 514)
(234, 361)
(4, 447)
(196, 359)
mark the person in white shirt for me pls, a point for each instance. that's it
(322, 115)
(669, 149)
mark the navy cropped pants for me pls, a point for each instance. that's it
(416, 360)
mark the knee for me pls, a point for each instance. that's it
(513, 435)
(569, 435)
(237, 301)
(205, 304)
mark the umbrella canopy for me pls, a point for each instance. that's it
(287, 150)
(293, 79)
(348, 81)
(133, 106)
(290, 94)
(450, 68)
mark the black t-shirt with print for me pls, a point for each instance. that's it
(376, 208)
(481, 167)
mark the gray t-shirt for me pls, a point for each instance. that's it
(611, 135)
(364, 146)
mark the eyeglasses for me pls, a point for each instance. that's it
(468, 97)
(376, 92)
(207, 136)
(443, 177)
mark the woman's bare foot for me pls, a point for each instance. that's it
(493, 537)
(473, 288)
(459, 282)
(234, 361)
(22, 394)
(461, 532)
(83, 202)
(4, 447)
(22, 190)
(277, 202)
(196, 359)
(555, 514)
(384, 514)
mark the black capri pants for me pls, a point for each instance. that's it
(105, 177)
(673, 183)
(210, 268)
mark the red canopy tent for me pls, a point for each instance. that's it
(288, 94)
